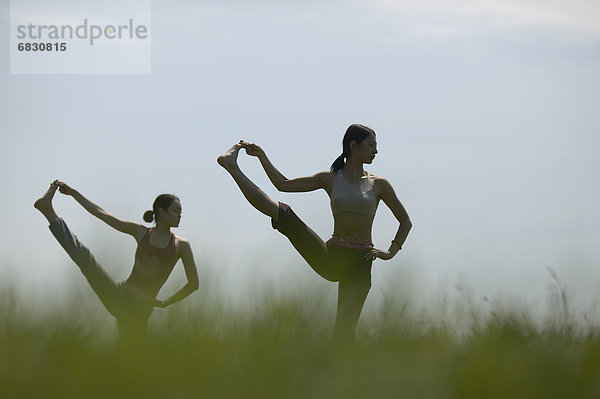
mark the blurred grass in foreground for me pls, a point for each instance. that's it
(283, 351)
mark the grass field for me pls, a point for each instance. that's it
(285, 352)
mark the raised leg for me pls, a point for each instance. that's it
(307, 243)
(255, 196)
(101, 283)
(44, 204)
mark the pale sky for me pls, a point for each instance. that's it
(486, 118)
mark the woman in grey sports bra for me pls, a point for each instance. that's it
(347, 256)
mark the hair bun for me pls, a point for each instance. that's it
(148, 216)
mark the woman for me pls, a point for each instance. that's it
(131, 301)
(347, 256)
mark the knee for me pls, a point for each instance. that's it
(84, 259)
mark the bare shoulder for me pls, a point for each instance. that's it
(327, 177)
(180, 241)
(183, 248)
(141, 232)
(380, 181)
(182, 245)
(381, 185)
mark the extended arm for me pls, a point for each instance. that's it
(391, 200)
(134, 229)
(191, 273)
(282, 183)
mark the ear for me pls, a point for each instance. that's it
(353, 146)
(162, 212)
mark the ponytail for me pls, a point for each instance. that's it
(148, 216)
(338, 163)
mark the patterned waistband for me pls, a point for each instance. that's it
(350, 242)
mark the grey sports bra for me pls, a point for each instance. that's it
(353, 197)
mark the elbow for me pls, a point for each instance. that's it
(194, 285)
(281, 185)
(407, 223)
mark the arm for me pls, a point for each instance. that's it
(282, 183)
(191, 273)
(134, 229)
(391, 200)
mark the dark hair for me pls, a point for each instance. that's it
(163, 201)
(355, 133)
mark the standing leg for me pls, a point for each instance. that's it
(132, 327)
(135, 308)
(101, 283)
(355, 283)
(351, 299)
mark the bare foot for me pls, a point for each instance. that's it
(228, 160)
(44, 204)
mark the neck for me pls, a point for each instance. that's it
(353, 169)
(162, 227)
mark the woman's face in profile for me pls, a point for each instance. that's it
(367, 149)
(172, 215)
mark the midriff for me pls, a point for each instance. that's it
(353, 224)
